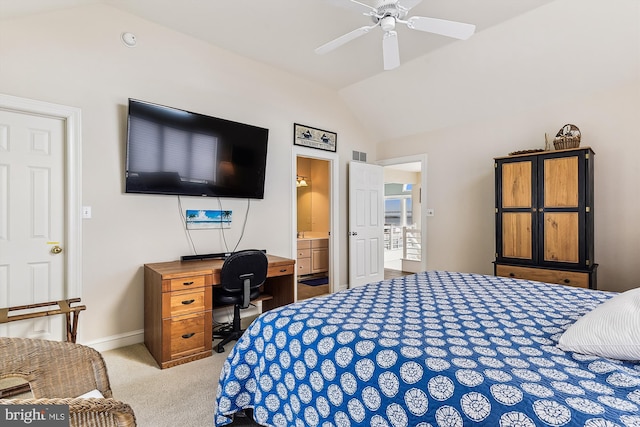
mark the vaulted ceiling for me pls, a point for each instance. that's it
(524, 54)
(284, 33)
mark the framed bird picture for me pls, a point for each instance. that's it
(308, 136)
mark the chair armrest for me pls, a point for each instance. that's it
(87, 412)
(52, 368)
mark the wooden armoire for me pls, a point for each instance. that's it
(544, 217)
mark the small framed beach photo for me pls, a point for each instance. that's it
(200, 219)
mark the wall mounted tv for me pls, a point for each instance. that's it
(177, 152)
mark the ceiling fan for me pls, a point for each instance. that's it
(386, 15)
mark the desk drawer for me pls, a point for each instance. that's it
(185, 283)
(187, 302)
(281, 270)
(187, 335)
(570, 278)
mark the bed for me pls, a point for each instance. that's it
(432, 349)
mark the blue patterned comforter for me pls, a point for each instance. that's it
(433, 349)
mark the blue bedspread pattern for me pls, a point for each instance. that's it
(434, 349)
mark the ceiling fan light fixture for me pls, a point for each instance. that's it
(388, 23)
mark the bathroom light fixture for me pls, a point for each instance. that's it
(301, 182)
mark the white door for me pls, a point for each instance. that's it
(366, 223)
(32, 219)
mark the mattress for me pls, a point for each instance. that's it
(431, 349)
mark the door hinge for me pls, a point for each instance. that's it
(586, 156)
(588, 262)
(496, 210)
(588, 209)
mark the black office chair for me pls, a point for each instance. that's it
(241, 276)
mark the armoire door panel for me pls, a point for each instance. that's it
(516, 185)
(517, 235)
(561, 237)
(561, 182)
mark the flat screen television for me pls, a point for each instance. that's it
(177, 152)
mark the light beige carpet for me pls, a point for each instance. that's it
(181, 396)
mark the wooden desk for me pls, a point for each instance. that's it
(178, 302)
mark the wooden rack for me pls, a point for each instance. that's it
(64, 307)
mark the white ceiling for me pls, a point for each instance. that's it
(284, 33)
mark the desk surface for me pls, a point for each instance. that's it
(176, 269)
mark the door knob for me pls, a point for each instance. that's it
(56, 249)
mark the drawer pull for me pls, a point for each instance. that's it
(187, 302)
(187, 336)
(283, 270)
(512, 274)
(188, 283)
(567, 281)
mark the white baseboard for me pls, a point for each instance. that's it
(116, 341)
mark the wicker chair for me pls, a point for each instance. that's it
(57, 372)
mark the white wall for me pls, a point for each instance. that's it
(460, 180)
(401, 176)
(75, 57)
(569, 61)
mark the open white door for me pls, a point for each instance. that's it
(366, 223)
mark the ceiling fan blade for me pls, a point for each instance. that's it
(327, 47)
(408, 4)
(390, 50)
(354, 5)
(457, 30)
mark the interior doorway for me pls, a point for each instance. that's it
(313, 226)
(42, 260)
(404, 225)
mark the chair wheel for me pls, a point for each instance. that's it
(220, 349)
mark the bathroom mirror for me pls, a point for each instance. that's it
(304, 206)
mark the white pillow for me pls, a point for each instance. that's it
(93, 393)
(610, 330)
